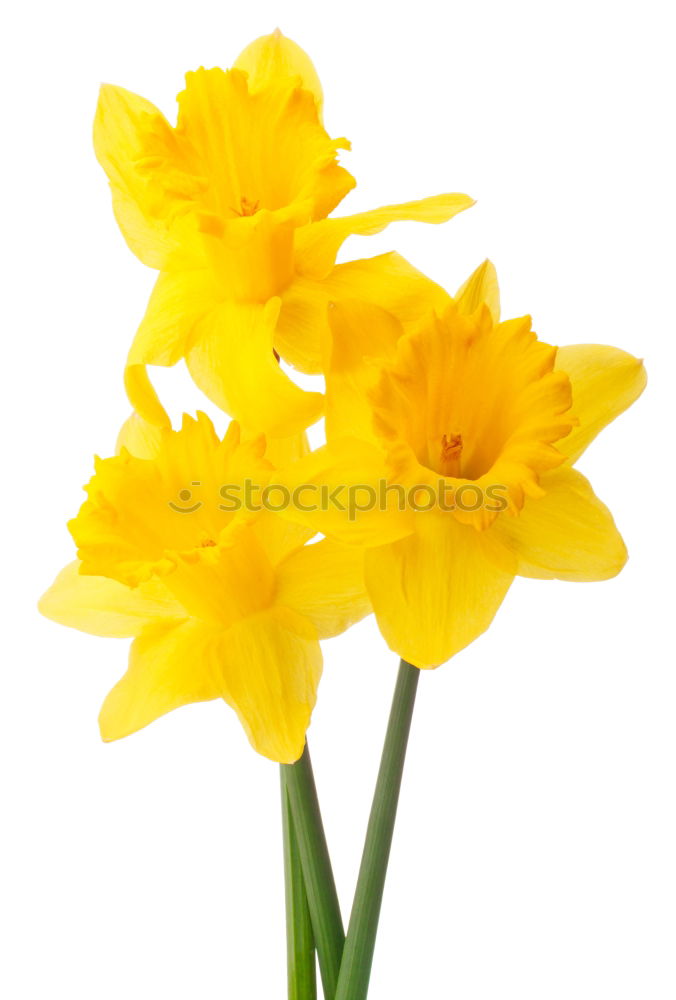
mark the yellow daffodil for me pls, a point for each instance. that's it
(454, 447)
(221, 602)
(231, 206)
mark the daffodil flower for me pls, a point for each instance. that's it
(220, 603)
(473, 426)
(231, 206)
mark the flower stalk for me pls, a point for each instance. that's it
(300, 942)
(355, 970)
(320, 886)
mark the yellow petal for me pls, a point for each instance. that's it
(437, 590)
(267, 668)
(495, 387)
(153, 517)
(388, 281)
(342, 491)
(318, 244)
(605, 382)
(324, 582)
(278, 535)
(143, 397)
(481, 288)
(125, 126)
(178, 301)
(271, 668)
(232, 361)
(273, 59)
(265, 150)
(568, 534)
(170, 665)
(280, 452)
(101, 606)
(360, 333)
(140, 438)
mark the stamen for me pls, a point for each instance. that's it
(246, 207)
(451, 450)
(207, 543)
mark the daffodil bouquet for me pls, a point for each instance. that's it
(447, 469)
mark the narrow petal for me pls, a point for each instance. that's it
(437, 590)
(324, 582)
(126, 126)
(101, 606)
(568, 534)
(170, 665)
(278, 535)
(177, 303)
(605, 381)
(481, 288)
(273, 59)
(362, 337)
(388, 281)
(179, 300)
(232, 361)
(266, 667)
(143, 397)
(282, 451)
(271, 668)
(342, 490)
(318, 244)
(140, 438)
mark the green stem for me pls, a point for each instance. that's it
(300, 942)
(320, 886)
(355, 970)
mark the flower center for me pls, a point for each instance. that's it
(474, 402)
(451, 451)
(247, 207)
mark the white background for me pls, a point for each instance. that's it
(534, 854)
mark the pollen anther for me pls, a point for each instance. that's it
(247, 207)
(451, 450)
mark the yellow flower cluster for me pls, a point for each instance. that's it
(454, 432)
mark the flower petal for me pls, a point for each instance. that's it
(232, 361)
(568, 534)
(141, 438)
(101, 606)
(388, 281)
(266, 667)
(146, 517)
(360, 333)
(278, 535)
(178, 301)
(342, 491)
(272, 664)
(481, 288)
(324, 582)
(437, 590)
(143, 397)
(318, 244)
(124, 126)
(170, 665)
(275, 58)
(263, 150)
(605, 381)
